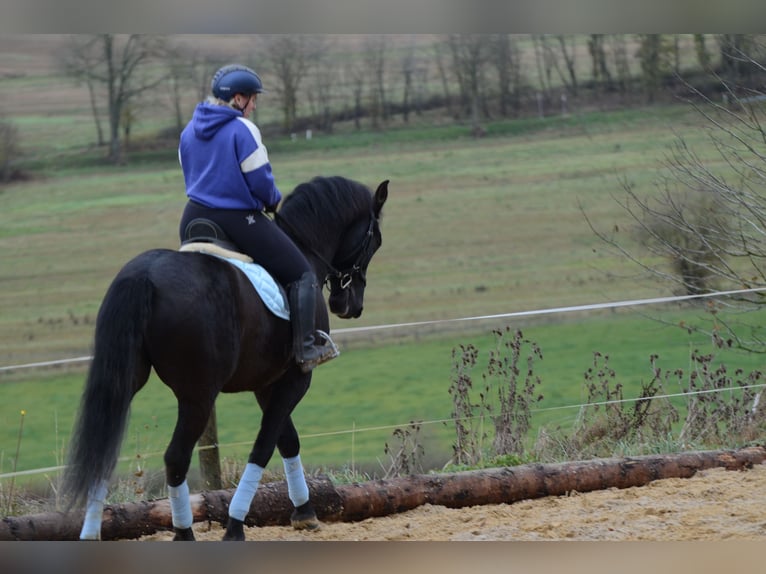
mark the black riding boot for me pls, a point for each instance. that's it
(308, 351)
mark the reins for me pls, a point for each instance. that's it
(344, 278)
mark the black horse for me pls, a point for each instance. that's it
(199, 323)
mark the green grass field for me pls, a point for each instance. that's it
(472, 227)
(357, 401)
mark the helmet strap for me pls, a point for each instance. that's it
(236, 107)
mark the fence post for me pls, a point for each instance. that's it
(209, 455)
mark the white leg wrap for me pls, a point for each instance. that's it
(180, 507)
(297, 489)
(243, 496)
(94, 513)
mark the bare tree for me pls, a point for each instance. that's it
(470, 54)
(408, 72)
(708, 219)
(322, 87)
(543, 62)
(599, 67)
(736, 52)
(374, 56)
(77, 61)
(567, 48)
(505, 58)
(186, 71)
(118, 66)
(618, 45)
(10, 148)
(547, 59)
(703, 55)
(290, 57)
(354, 75)
(675, 50)
(651, 53)
(441, 50)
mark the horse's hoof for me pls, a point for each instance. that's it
(234, 530)
(304, 518)
(183, 534)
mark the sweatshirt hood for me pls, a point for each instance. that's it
(209, 118)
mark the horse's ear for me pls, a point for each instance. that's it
(381, 195)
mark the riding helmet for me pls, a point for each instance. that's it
(235, 79)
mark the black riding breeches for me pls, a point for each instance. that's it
(257, 236)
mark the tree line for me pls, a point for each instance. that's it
(318, 81)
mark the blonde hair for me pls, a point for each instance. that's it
(219, 102)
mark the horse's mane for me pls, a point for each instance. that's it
(324, 203)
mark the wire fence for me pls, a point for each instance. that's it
(362, 430)
(436, 322)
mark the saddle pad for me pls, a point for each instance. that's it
(271, 292)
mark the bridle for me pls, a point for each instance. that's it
(341, 273)
(357, 267)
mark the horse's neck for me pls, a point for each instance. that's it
(319, 255)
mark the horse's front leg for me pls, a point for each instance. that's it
(240, 502)
(277, 405)
(303, 517)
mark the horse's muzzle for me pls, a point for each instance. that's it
(348, 314)
(345, 308)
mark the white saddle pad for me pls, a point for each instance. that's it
(270, 291)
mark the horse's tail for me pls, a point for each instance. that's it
(120, 367)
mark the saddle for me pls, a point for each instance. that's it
(207, 236)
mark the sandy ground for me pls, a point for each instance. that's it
(713, 505)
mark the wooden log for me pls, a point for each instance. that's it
(511, 484)
(353, 502)
(271, 506)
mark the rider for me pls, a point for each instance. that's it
(229, 181)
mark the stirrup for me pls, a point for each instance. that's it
(329, 352)
(334, 351)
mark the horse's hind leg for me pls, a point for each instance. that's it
(192, 418)
(94, 511)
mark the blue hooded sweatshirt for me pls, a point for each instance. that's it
(224, 161)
